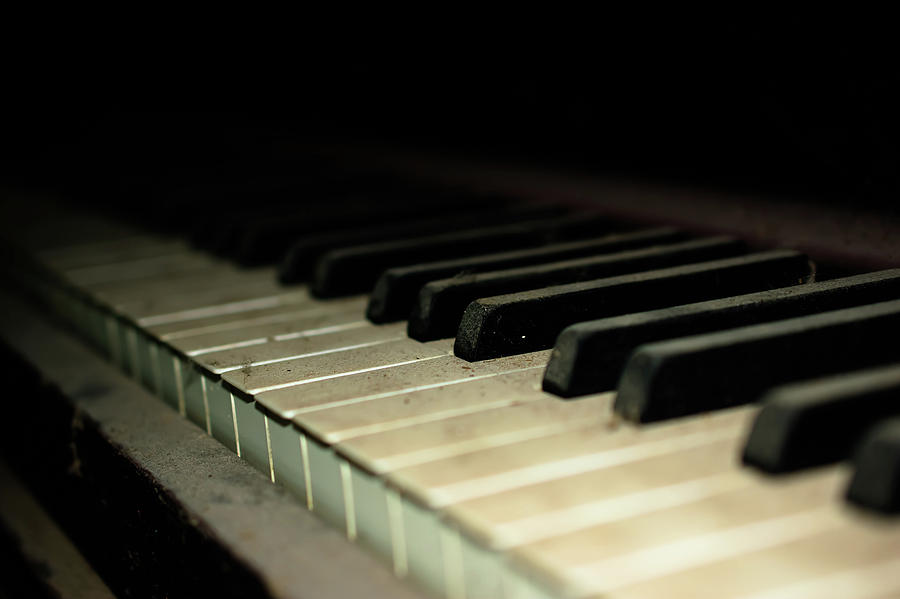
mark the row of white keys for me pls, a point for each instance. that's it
(478, 484)
(628, 520)
(444, 463)
(276, 375)
(765, 537)
(279, 368)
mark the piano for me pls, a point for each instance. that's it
(535, 402)
(495, 379)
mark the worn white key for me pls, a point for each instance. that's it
(621, 553)
(564, 504)
(539, 462)
(859, 561)
(235, 421)
(412, 526)
(195, 387)
(192, 294)
(385, 452)
(569, 503)
(291, 373)
(289, 309)
(318, 321)
(473, 394)
(604, 444)
(206, 303)
(365, 334)
(329, 483)
(371, 385)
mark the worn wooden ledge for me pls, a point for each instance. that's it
(157, 506)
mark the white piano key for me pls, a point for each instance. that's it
(866, 581)
(454, 484)
(196, 397)
(222, 416)
(302, 346)
(567, 504)
(423, 547)
(296, 372)
(474, 394)
(626, 552)
(290, 464)
(456, 478)
(206, 367)
(404, 378)
(207, 301)
(373, 523)
(257, 334)
(429, 442)
(329, 477)
(536, 459)
(250, 427)
(241, 319)
(327, 485)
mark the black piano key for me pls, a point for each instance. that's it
(396, 289)
(227, 210)
(355, 269)
(441, 304)
(266, 240)
(820, 421)
(588, 357)
(875, 483)
(530, 321)
(299, 262)
(238, 233)
(695, 374)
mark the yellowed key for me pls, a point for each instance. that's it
(317, 320)
(627, 552)
(384, 452)
(603, 444)
(569, 503)
(290, 373)
(207, 303)
(474, 394)
(164, 306)
(387, 381)
(289, 309)
(364, 335)
(841, 557)
(859, 560)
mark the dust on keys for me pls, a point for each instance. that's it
(461, 473)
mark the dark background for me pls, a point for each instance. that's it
(803, 107)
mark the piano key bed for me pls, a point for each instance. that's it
(544, 405)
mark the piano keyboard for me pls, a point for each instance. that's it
(433, 443)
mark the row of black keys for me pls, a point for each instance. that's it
(618, 307)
